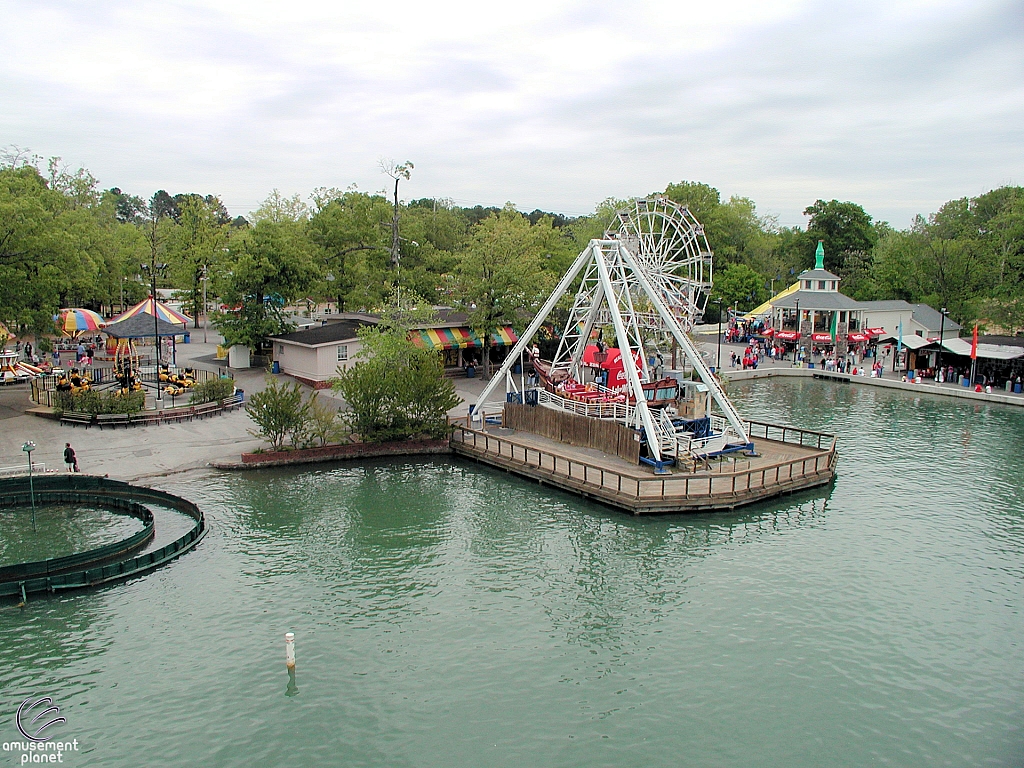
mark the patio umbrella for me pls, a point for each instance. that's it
(72, 322)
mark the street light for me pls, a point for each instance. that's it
(205, 315)
(942, 330)
(796, 347)
(28, 448)
(154, 269)
(718, 364)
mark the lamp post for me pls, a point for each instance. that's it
(205, 316)
(28, 447)
(718, 363)
(796, 348)
(942, 330)
(153, 269)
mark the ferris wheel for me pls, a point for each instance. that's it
(669, 244)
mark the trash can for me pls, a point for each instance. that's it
(965, 382)
(241, 394)
(470, 372)
(276, 367)
(1016, 389)
(188, 338)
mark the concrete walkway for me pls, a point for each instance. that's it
(133, 453)
(768, 368)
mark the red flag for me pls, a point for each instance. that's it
(974, 343)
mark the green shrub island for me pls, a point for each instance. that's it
(94, 402)
(211, 390)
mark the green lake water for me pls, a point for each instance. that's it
(450, 615)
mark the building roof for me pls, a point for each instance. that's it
(910, 341)
(931, 318)
(332, 333)
(817, 274)
(894, 305)
(828, 300)
(1004, 341)
(987, 351)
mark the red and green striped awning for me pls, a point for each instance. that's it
(445, 338)
(460, 338)
(504, 337)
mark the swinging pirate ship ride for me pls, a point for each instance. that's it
(638, 440)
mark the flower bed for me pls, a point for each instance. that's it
(344, 451)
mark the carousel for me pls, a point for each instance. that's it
(13, 371)
(122, 337)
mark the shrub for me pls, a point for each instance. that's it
(212, 389)
(397, 391)
(278, 412)
(322, 422)
(100, 402)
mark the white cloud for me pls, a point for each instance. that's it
(550, 104)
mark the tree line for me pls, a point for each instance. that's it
(65, 241)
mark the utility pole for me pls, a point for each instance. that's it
(153, 269)
(396, 171)
(205, 308)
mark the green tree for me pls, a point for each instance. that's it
(395, 390)
(845, 228)
(268, 266)
(279, 413)
(350, 230)
(195, 245)
(738, 286)
(502, 273)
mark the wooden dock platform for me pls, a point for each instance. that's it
(788, 459)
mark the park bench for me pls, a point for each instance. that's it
(230, 403)
(146, 418)
(178, 414)
(112, 419)
(206, 409)
(74, 418)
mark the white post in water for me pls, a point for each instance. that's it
(289, 650)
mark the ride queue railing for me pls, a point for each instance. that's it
(44, 387)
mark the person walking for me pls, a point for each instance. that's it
(70, 460)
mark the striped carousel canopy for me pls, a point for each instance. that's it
(73, 321)
(163, 312)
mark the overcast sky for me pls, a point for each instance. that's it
(550, 104)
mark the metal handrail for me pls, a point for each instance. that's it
(22, 469)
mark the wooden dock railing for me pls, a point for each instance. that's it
(709, 485)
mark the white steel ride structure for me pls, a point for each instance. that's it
(669, 243)
(646, 278)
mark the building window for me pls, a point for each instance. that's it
(280, 349)
(831, 285)
(821, 285)
(342, 353)
(807, 284)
